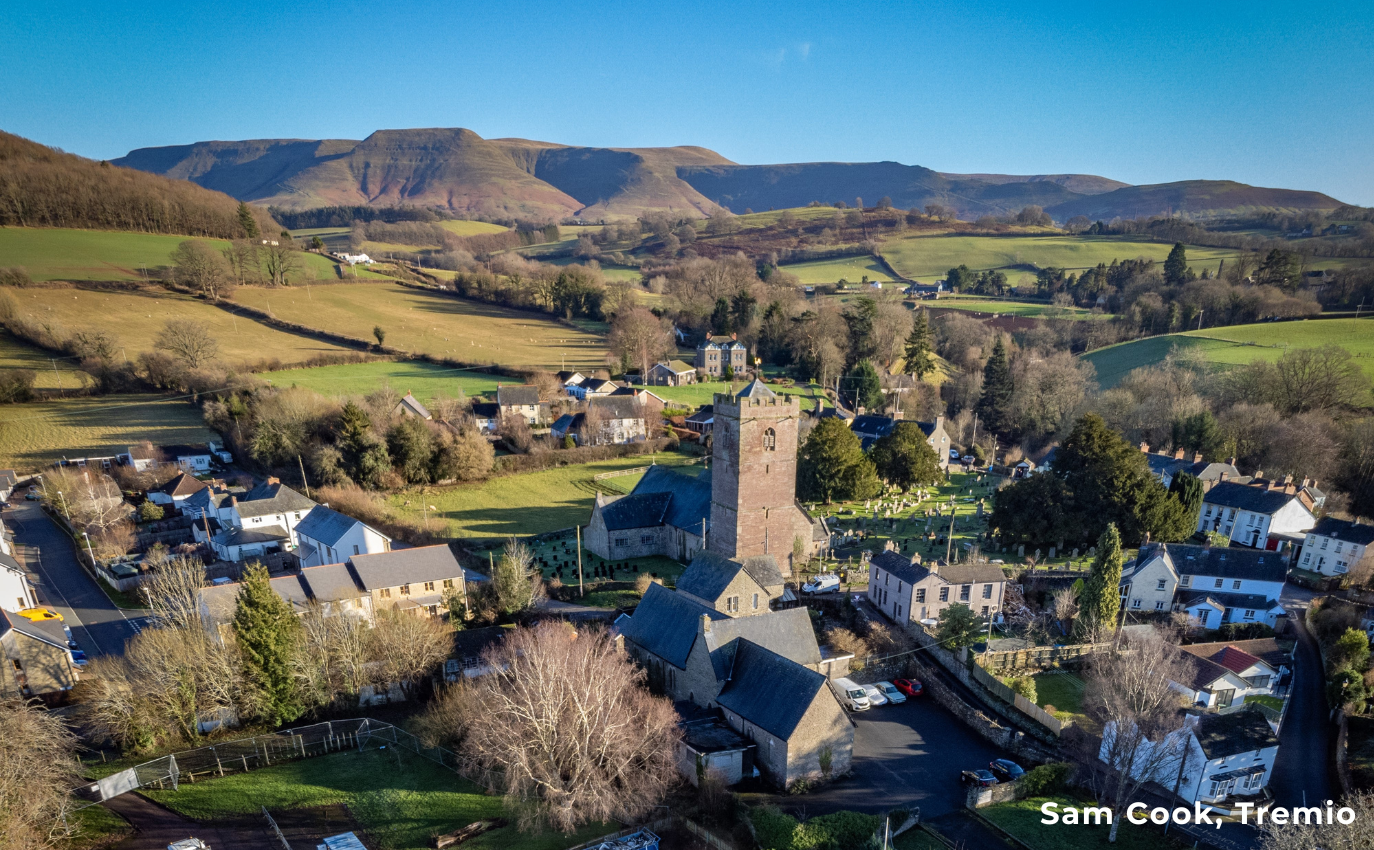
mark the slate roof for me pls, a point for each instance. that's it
(756, 389)
(928, 428)
(48, 631)
(330, 582)
(412, 404)
(787, 633)
(326, 525)
(597, 385)
(705, 413)
(900, 566)
(240, 536)
(720, 342)
(486, 410)
(405, 566)
(275, 498)
(1244, 731)
(1350, 532)
(616, 407)
(565, 376)
(182, 486)
(644, 510)
(665, 624)
(873, 426)
(1246, 497)
(768, 690)
(1201, 672)
(519, 395)
(948, 573)
(709, 574)
(1267, 650)
(565, 423)
(677, 366)
(471, 643)
(1222, 561)
(1258, 602)
(691, 502)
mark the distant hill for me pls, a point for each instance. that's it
(459, 170)
(1195, 197)
(43, 187)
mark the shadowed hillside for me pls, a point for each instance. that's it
(1083, 184)
(43, 187)
(1196, 197)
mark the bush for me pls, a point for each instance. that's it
(1245, 631)
(1046, 780)
(844, 830)
(1023, 685)
(16, 385)
(150, 512)
(772, 828)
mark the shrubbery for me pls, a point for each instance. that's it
(777, 830)
(1046, 780)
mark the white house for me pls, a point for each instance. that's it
(911, 592)
(326, 536)
(237, 543)
(1333, 546)
(1224, 674)
(354, 259)
(1214, 585)
(607, 421)
(16, 592)
(144, 456)
(270, 508)
(1257, 515)
(176, 491)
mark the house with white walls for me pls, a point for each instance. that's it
(1220, 675)
(1214, 585)
(1258, 515)
(1334, 546)
(326, 536)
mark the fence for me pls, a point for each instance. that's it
(1039, 658)
(1023, 705)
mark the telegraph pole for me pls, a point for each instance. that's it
(580, 590)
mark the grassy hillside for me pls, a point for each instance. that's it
(1238, 345)
(851, 269)
(434, 324)
(927, 258)
(53, 372)
(34, 435)
(57, 253)
(135, 318)
(470, 228)
(983, 304)
(422, 379)
(1197, 197)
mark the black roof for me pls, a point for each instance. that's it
(666, 624)
(1223, 562)
(900, 566)
(787, 633)
(768, 690)
(709, 574)
(471, 643)
(1247, 497)
(703, 413)
(1252, 601)
(871, 428)
(691, 502)
(642, 510)
(1350, 532)
(1244, 731)
(486, 410)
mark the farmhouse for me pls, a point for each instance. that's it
(519, 401)
(1213, 585)
(715, 354)
(1333, 546)
(906, 590)
(672, 373)
(1259, 516)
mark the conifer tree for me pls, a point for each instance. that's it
(1100, 601)
(1176, 266)
(905, 457)
(995, 405)
(365, 457)
(247, 222)
(267, 632)
(919, 360)
(831, 465)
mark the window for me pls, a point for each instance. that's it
(385, 593)
(731, 604)
(770, 440)
(1185, 580)
(622, 541)
(1135, 603)
(355, 549)
(448, 584)
(1339, 546)
(944, 594)
(1159, 606)
(1258, 681)
(1159, 585)
(405, 590)
(964, 592)
(1218, 583)
(987, 591)
(429, 586)
(1307, 558)
(887, 579)
(756, 602)
(1235, 585)
(646, 539)
(1249, 614)
(920, 594)
(985, 612)
(1324, 542)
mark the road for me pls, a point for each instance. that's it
(1302, 771)
(97, 624)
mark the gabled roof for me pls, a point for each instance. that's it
(928, 428)
(598, 385)
(326, 525)
(1222, 561)
(1246, 497)
(564, 423)
(1350, 532)
(870, 429)
(1236, 660)
(787, 633)
(240, 536)
(665, 624)
(405, 566)
(911, 573)
(182, 486)
(677, 367)
(570, 378)
(705, 413)
(900, 566)
(616, 407)
(643, 510)
(519, 395)
(720, 342)
(691, 502)
(411, 403)
(1244, 731)
(710, 574)
(272, 498)
(330, 582)
(486, 410)
(1202, 673)
(48, 631)
(1268, 650)
(1254, 601)
(769, 690)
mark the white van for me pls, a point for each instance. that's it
(827, 583)
(851, 695)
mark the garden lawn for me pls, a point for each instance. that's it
(134, 319)
(436, 324)
(1264, 699)
(34, 435)
(399, 807)
(1022, 819)
(852, 269)
(425, 380)
(1060, 689)
(519, 505)
(928, 258)
(61, 253)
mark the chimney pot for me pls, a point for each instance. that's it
(1259, 474)
(1231, 461)
(1145, 447)
(1288, 479)
(705, 624)
(1197, 457)
(271, 479)
(1178, 454)
(1305, 482)
(1314, 483)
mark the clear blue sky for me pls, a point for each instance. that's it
(1265, 93)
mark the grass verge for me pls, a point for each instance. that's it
(1022, 819)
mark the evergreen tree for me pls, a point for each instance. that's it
(905, 457)
(863, 387)
(267, 633)
(1176, 266)
(831, 465)
(411, 445)
(1100, 601)
(1199, 433)
(995, 405)
(365, 459)
(1187, 491)
(247, 222)
(959, 627)
(919, 359)
(721, 317)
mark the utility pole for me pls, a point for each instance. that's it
(580, 590)
(57, 374)
(303, 481)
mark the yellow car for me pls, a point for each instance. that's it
(38, 615)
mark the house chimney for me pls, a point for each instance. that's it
(1207, 542)
(1231, 461)
(734, 336)
(1305, 482)
(1314, 483)
(233, 501)
(273, 480)
(934, 567)
(1290, 488)
(1197, 457)
(1259, 474)
(1145, 447)
(705, 624)
(1288, 479)
(1178, 454)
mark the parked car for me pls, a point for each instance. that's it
(954, 455)
(822, 584)
(910, 687)
(39, 615)
(875, 695)
(79, 657)
(890, 691)
(188, 844)
(1006, 769)
(981, 778)
(852, 696)
(32, 496)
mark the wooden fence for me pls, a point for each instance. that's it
(1023, 705)
(1040, 657)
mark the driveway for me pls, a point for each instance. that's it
(1302, 771)
(97, 624)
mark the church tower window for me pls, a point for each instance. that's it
(770, 440)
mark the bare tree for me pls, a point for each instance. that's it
(446, 408)
(1318, 378)
(242, 257)
(113, 706)
(172, 590)
(408, 647)
(92, 499)
(1064, 606)
(567, 729)
(37, 767)
(640, 338)
(1356, 835)
(188, 341)
(1128, 692)
(333, 664)
(198, 265)
(514, 428)
(281, 261)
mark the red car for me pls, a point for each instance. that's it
(910, 687)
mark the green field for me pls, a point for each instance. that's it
(471, 228)
(531, 503)
(52, 372)
(1237, 345)
(399, 800)
(983, 304)
(58, 253)
(852, 269)
(927, 258)
(33, 435)
(357, 379)
(432, 323)
(135, 318)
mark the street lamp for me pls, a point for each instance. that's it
(68, 513)
(88, 548)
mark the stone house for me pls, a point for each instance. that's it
(871, 428)
(1214, 585)
(35, 659)
(740, 588)
(520, 401)
(672, 373)
(715, 353)
(1333, 546)
(1259, 516)
(906, 591)
(410, 406)
(328, 537)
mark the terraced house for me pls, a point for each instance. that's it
(1214, 585)
(907, 591)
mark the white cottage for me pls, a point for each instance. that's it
(1333, 546)
(1214, 585)
(1260, 516)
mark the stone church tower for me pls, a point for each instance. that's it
(754, 477)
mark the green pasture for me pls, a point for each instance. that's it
(399, 799)
(59, 253)
(927, 258)
(852, 269)
(36, 434)
(425, 380)
(520, 505)
(470, 228)
(983, 304)
(52, 372)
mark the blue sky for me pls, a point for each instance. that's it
(1269, 94)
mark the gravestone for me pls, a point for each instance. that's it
(1021, 551)
(1092, 551)
(1051, 553)
(1075, 553)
